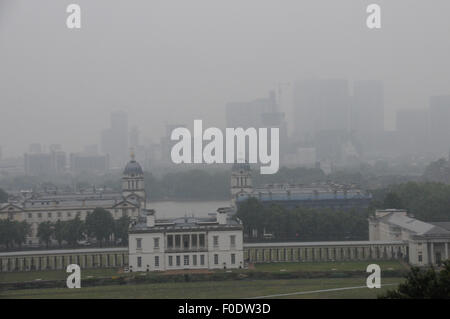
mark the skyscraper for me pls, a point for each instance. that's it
(320, 105)
(114, 140)
(367, 114)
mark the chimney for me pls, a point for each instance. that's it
(221, 216)
(150, 218)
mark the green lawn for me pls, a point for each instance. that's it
(269, 267)
(214, 289)
(54, 275)
(329, 266)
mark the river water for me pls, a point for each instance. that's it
(169, 209)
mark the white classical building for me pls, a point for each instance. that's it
(39, 208)
(428, 242)
(186, 243)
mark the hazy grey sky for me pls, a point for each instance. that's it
(173, 61)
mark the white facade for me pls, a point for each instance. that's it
(186, 243)
(428, 243)
(63, 207)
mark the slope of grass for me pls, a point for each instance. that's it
(210, 289)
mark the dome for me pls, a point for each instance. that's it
(133, 168)
(241, 167)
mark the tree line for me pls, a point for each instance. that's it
(301, 224)
(99, 225)
(428, 201)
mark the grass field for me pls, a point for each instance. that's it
(330, 266)
(269, 267)
(214, 289)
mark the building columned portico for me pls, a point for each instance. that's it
(428, 242)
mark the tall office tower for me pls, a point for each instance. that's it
(166, 143)
(35, 148)
(259, 113)
(320, 105)
(440, 124)
(50, 163)
(412, 129)
(367, 114)
(115, 139)
(248, 114)
(134, 137)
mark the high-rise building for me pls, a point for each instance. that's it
(45, 163)
(439, 123)
(115, 139)
(320, 105)
(259, 113)
(89, 163)
(367, 114)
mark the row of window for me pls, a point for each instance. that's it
(69, 214)
(187, 260)
(189, 241)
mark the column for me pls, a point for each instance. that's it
(446, 250)
(432, 260)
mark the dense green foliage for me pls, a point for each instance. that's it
(100, 224)
(302, 224)
(423, 284)
(425, 201)
(13, 233)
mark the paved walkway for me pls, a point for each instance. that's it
(314, 291)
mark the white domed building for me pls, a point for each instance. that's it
(133, 187)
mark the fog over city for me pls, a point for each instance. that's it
(171, 62)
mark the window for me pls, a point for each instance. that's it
(156, 243)
(201, 240)
(138, 243)
(69, 214)
(186, 260)
(59, 214)
(139, 261)
(156, 261)
(170, 260)
(233, 259)
(216, 241)
(39, 215)
(194, 260)
(177, 241)
(216, 259)
(178, 260)
(420, 257)
(169, 241)
(49, 215)
(233, 241)
(186, 241)
(194, 240)
(202, 259)
(30, 215)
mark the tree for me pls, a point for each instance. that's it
(73, 231)
(3, 196)
(20, 232)
(121, 227)
(7, 233)
(45, 232)
(59, 232)
(392, 200)
(423, 284)
(100, 224)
